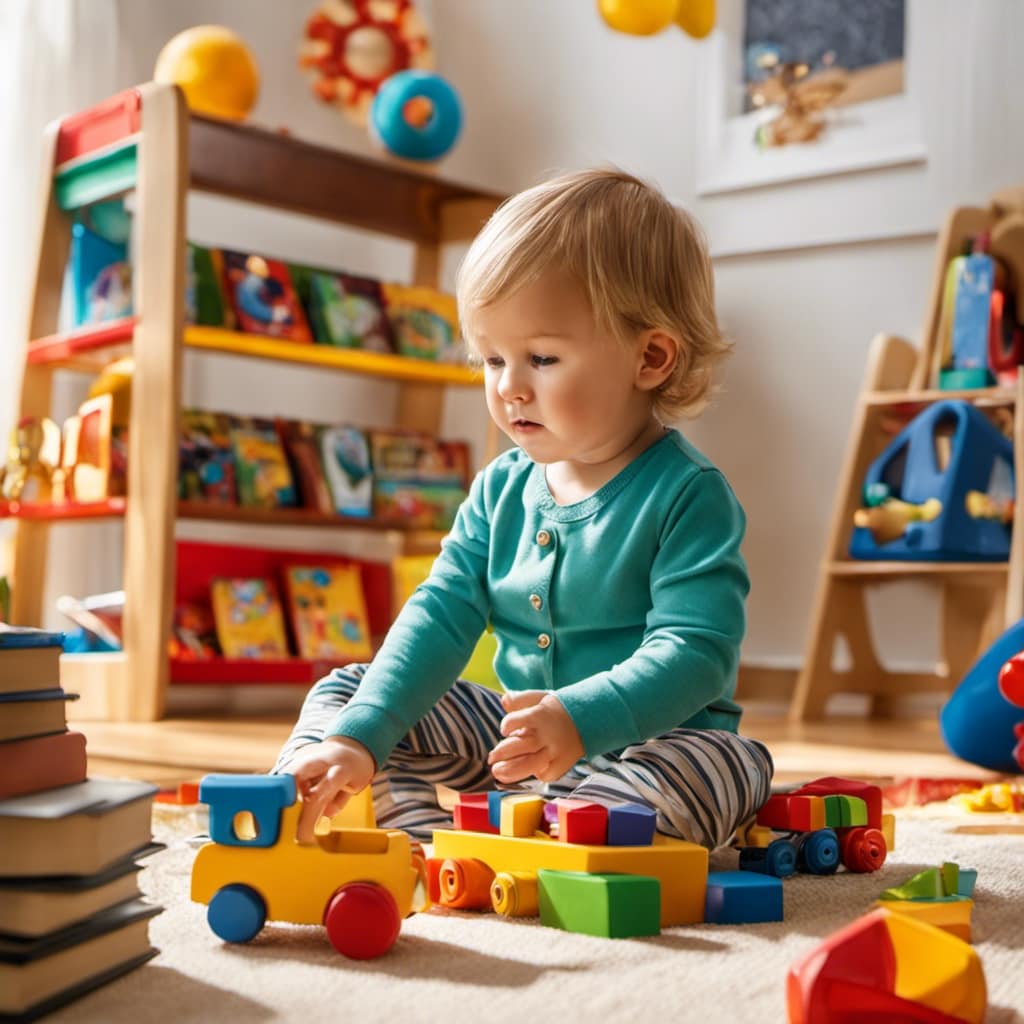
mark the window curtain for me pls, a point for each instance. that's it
(56, 56)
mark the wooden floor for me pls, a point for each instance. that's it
(187, 747)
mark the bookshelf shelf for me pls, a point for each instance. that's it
(174, 152)
(225, 671)
(110, 508)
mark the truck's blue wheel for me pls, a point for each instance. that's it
(780, 858)
(819, 852)
(236, 913)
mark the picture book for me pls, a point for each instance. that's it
(424, 323)
(261, 465)
(327, 610)
(206, 459)
(75, 829)
(418, 479)
(262, 298)
(36, 713)
(249, 620)
(348, 311)
(193, 633)
(39, 975)
(345, 455)
(41, 762)
(98, 615)
(29, 659)
(302, 446)
(31, 907)
(204, 288)
(100, 276)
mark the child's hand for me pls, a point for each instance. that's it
(326, 775)
(542, 740)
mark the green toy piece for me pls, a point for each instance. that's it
(942, 883)
(853, 810)
(609, 906)
(5, 600)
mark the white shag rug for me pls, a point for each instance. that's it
(448, 967)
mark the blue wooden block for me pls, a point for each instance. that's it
(263, 796)
(494, 798)
(631, 825)
(742, 897)
(965, 882)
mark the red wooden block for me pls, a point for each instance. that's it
(580, 821)
(774, 813)
(473, 817)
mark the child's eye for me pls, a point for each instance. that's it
(494, 361)
(543, 360)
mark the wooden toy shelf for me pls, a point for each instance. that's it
(978, 600)
(145, 140)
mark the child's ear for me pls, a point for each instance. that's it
(658, 354)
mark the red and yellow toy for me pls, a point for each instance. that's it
(359, 882)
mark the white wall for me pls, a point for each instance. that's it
(547, 86)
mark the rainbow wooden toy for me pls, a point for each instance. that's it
(887, 966)
(358, 882)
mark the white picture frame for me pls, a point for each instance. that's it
(881, 133)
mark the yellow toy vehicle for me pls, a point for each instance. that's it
(358, 882)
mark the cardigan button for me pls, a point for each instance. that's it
(543, 641)
(537, 602)
(543, 538)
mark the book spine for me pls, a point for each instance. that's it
(28, 766)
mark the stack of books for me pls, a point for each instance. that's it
(71, 916)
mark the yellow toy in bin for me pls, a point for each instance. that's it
(214, 69)
(407, 573)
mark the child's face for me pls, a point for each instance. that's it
(559, 386)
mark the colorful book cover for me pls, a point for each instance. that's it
(206, 460)
(204, 290)
(414, 456)
(261, 466)
(328, 612)
(302, 446)
(349, 312)
(424, 322)
(345, 456)
(431, 506)
(261, 294)
(248, 617)
(193, 633)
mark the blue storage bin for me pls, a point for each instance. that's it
(909, 467)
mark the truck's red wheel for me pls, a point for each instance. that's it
(362, 920)
(864, 849)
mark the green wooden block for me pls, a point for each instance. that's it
(854, 811)
(925, 885)
(611, 906)
(950, 878)
(833, 811)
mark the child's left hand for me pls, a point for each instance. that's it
(541, 739)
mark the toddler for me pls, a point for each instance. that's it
(603, 549)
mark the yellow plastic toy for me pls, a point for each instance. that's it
(890, 519)
(680, 867)
(360, 883)
(215, 70)
(638, 17)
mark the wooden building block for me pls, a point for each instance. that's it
(611, 906)
(580, 821)
(631, 825)
(521, 815)
(742, 897)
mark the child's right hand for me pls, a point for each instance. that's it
(326, 775)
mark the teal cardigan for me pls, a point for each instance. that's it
(629, 604)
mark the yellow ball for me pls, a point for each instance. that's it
(696, 17)
(638, 17)
(214, 68)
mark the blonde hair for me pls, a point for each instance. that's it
(642, 264)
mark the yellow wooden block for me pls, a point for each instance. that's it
(297, 880)
(889, 831)
(937, 969)
(755, 835)
(521, 815)
(680, 867)
(952, 914)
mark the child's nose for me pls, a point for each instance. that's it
(512, 385)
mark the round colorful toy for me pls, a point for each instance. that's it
(696, 17)
(215, 70)
(417, 115)
(354, 46)
(638, 17)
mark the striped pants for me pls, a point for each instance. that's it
(702, 783)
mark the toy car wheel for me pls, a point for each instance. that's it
(780, 858)
(864, 849)
(236, 913)
(362, 920)
(819, 852)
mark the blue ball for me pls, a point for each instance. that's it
(429, 141)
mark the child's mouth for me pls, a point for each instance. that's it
(524, 426)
